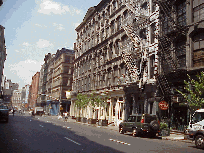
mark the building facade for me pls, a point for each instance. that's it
(181, 40)
(116, 55)
(56, 77)
(8, 88)
(33, 91)
(2, 53)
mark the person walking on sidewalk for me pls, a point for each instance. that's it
(13, 112)
(65, 116)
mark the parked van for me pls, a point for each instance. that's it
(195, 130)
(39, 111)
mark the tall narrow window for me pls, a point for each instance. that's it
(198, 13)
(198, 49)
(181, 52)
(152, 61)
(153, 29)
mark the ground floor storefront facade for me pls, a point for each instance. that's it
(122, 102)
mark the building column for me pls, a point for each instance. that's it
(134, 104)
(126, 108)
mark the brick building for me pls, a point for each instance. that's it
(33, 91)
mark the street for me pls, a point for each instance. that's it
(24, 134)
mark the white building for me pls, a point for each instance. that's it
(116, 55)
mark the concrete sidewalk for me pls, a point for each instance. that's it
(174, 135)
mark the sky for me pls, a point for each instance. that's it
(34, 28)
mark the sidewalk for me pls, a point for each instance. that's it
(174, 134)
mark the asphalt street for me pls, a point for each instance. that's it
(26, 134)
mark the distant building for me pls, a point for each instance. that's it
(33, 91)
(56, 77)
(2, 51)
(17, 98)
(8, 88)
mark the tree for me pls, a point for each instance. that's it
(194, 91)
(96, 101)
(81, 102)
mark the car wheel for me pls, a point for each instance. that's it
(199, 141)
(154, 125)
(134, 132)
(121, 130)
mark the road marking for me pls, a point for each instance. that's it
(120, 142)
(41, 125)
(72, 141)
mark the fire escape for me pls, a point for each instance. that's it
(132, 52)
(169, 62)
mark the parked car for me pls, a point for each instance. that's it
(141, 124)
(4, 113)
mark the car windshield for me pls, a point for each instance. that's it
(148, 119)
(198, 116)
(131, 118)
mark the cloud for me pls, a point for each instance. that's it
(42, 26)
(26, 69)
(42, 43)
(49, 7)
(58, 26)
(26, 44)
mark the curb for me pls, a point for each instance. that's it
(181, 140)
(108, 127)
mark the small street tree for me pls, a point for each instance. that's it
(81, 102)
(94, 102)
(98, 100)
(194, 92)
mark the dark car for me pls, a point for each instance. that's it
(141, 124)
(4, 113)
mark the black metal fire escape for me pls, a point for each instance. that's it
(166, 51)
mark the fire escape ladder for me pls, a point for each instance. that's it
(131, 25)
(167, 7)
(164, 85)
(127, 25)
(131, 66)
(165, 46)
(165, 43)
(131, 5)
(131, 49)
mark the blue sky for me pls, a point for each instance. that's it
(34, 28)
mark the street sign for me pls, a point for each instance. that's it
(163, 105)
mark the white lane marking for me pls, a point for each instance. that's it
(41, 125)
(72, 141)
(120, 142)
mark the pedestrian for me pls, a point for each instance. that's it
(33, 114)
(65, 116)
(13, 112)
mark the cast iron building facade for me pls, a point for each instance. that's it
(116, 54)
